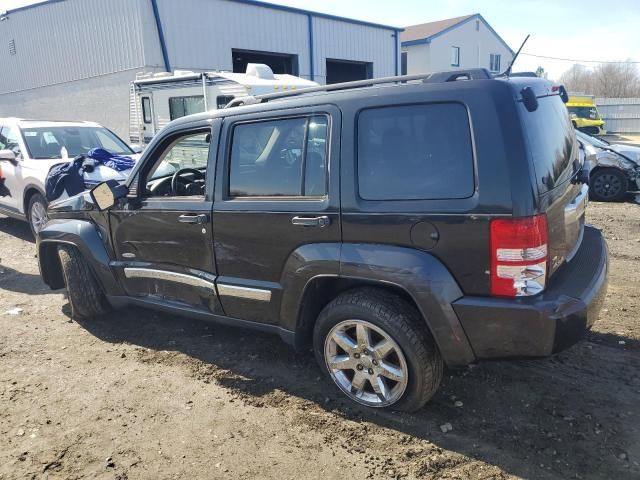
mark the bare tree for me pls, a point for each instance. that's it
(615, 80)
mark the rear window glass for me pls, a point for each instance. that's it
(415, 152)
(551, 140)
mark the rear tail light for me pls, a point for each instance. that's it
(518, 256)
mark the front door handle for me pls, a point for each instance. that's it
(321, 221)
(199, 219)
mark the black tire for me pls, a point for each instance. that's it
(85, 294)
(608, 185)
(35, 201)
(400, 321)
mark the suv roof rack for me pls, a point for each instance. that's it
(436, 77)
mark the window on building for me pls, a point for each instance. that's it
(403, 63)
(455, 56)
(477, 25)
(494, 62)
(146, 110)
(416, 152)
(285, 157)
(222, 100)
(183, 106)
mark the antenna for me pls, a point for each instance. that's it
(507, 72)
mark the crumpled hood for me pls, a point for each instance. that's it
(629, 151)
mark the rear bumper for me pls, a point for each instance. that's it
(549, 322)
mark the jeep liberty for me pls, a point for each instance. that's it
(393, 226)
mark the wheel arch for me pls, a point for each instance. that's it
(29, 191)
(83, 235)
(414, 275)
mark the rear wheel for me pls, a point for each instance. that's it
(377, 350)
(85, 295)
(608, 185)
(37, 213)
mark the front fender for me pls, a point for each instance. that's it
(84, 235)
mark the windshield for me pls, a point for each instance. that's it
(590, 113)
(592, 140)
(47, 142)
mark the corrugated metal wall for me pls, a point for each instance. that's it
(201, 33)
(70, 40)
(620, 115)
(344, 41)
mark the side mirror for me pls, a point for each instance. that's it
(107, 193)
(8, 156)
(136, 148)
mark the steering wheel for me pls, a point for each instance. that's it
(179, 173)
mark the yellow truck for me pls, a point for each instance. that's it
(584, 114)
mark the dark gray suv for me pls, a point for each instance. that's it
(393, 226)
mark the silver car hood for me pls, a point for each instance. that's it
(629, 151)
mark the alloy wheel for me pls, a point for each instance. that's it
(366, 363)
(39, 216)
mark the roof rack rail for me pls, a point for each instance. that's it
(437, 77)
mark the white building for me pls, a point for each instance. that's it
(75, 59)
(455, 43)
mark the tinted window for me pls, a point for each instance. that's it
(183, 106)
(551, 139)
(415, 152)
(285, 157)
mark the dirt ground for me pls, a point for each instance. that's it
(144, 395)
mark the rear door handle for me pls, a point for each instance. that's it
(321, 221)
(199, 219)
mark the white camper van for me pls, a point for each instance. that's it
(158, 98)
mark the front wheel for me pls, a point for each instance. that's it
(608, 185)
(37, 213)
(377, 350)
(85, 295)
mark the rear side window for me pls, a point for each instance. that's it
(416, 152)
(284, 157)
(551, 141)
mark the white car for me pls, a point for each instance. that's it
(28, 150)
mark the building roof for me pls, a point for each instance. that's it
(425, 32)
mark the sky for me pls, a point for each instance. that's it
(599, 30)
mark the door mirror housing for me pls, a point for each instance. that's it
(106, 194)
(8, 156)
